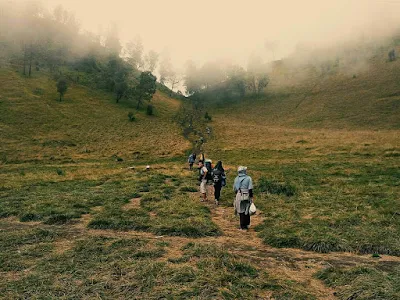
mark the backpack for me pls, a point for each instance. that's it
(209, 175)
(217, 175)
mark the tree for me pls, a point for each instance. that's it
(237, 80)
(146, 88)
(191, 78)
(62, 87)
(165, 68)
(112, 43)
(134, 52)
(174, 79)
(271, 46)
(118, 77)
(257, 78)
(151, 60)
(263, 81)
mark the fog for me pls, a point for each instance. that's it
(233, 30)
(198, 46)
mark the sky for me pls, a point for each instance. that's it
(233, 29)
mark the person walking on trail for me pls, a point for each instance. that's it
(191, 160)
(219, 179)
(243, 188)
(203, 181)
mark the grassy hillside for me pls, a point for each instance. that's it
(87, 124)
(324, 156)
(78, 223)
(370, 100)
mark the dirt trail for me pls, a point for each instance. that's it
(294, 264)
(249, 245)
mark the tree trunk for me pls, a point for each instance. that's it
(30, 62)
(60, 97)
(24, 72)
(138, 103)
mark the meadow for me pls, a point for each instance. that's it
(81, 217)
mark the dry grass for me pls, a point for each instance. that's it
(87, 125)
(59, 160)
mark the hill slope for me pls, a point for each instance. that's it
(88, 124)
(370, 100)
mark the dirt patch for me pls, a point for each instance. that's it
(62, 246)
(134, 203)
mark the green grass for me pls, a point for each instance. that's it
(172, 214)
(319, 190)
(333, 203)
(335, 212)
(382, 282)
(87, 125)
(122, 267)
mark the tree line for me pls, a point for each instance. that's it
(33, 39)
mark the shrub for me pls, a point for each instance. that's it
(60, 172)
(58, 219)
(207, 117)
(131, 116)
(149, 110)
(29, 217)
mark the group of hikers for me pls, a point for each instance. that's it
(213, 179)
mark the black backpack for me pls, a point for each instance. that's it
(217, 175)
(209, 175)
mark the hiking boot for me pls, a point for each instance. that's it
(216, 202)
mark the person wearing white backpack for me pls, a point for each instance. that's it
(243, 188)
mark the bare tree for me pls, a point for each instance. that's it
(271, 46)
(151, 60)
(165, 68)
(174, 79)
(134, 52)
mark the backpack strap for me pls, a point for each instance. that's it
(240, 183)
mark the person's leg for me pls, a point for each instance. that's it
(203, 190)
(211, 190)
(247, 221)
(242, 217)
(217, 188)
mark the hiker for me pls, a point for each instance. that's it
(219, 179)
(243, 188)
(191, 160)
(203, 180)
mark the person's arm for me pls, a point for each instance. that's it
(205, 171)
(251, 188)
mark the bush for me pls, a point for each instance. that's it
(149, 110)
(58, 219)
(131, 116)
(207, 117)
